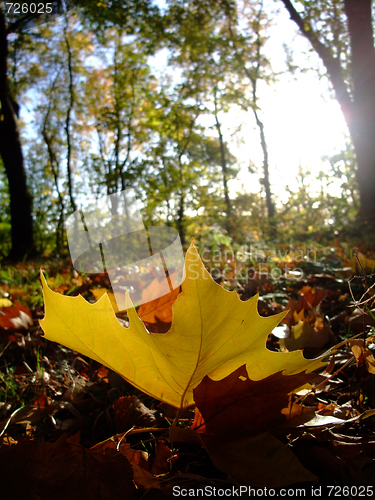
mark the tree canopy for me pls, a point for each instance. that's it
(134, 95)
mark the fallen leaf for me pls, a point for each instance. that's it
(15, 317)
(17, 293)
(330, 454)
(304, 335)
(143, 477)
(362, 354)
(299, 336)
(290, 309)
(63, 470)
(102, 373)
(325, 420)
(358, 321)
(163, 456)
(212, 334)
(238, 406)
(367, 264)
(311, 296)
(182, 435)
(5, 303)
(138, 460)
(99, 292)
(260, 460)
(257, 461)
(163, 289)
(157, 314)
(131, 412)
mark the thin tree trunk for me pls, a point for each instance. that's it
(165, 182)
(181, 219)
(224, 170)
(12, 157)
(260, 125)
(253, 78)
(118, 139)
(55, 171)
(68, 120)
(266, 178)
(182, 150)
(125, 162)
(181, 206)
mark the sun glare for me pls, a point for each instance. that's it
(301, 127)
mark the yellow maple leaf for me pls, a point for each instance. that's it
(213, 333)
(99, 292)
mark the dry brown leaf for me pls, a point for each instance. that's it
(64, 470)
(131, 412)
(257, 461)
(304, 335)
(362, 354)
(139, 460)
(238, 407)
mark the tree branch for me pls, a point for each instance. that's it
(331, 63)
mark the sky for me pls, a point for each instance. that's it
(303, 122)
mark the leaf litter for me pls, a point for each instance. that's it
(313, 428)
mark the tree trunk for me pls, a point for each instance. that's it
(358, 102)
(224, 171)
(362, 126)
(266, 178)
(68, 120)
(253, 77)
(11, 154)
(181, 219)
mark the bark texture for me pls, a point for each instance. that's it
(362, 126)
(11, 155)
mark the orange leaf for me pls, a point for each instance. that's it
(15, 317)
(160, 309)
(163, 455)
(312, 296)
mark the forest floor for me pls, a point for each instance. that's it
(71, 428)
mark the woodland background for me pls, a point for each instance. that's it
(100, 96)
(102, 116)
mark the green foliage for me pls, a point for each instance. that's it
(119, 95)
(160, 130)
(5, 227)
(212, 238)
